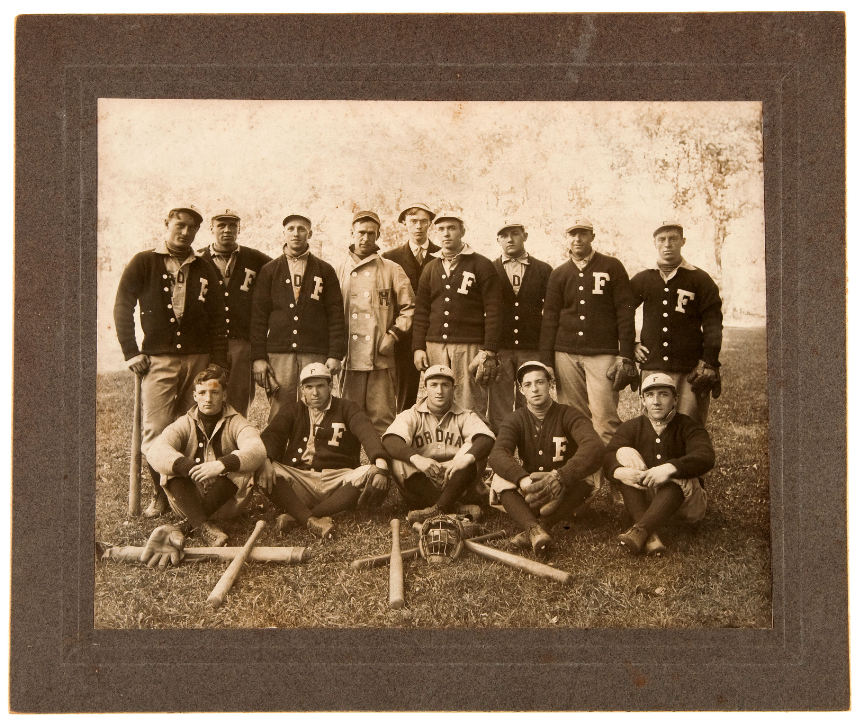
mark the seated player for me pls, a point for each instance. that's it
(207, 456)
(312, 469)
(558, 453)
(438, 449)
(657, 459)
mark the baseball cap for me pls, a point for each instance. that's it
(418, 206)
(295, 214)
(366, 215)
(447, 216)
(529, 365)
(191, 209)
(439, 370)
(669, 224)
(580, 225)
(225, 214)
(510, 224)
(315, 370)
(652, 381)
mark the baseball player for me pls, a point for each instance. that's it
(207, 456)
(457, 316)
(438, 448)
(523, 289)
(379, 308)
(558, 449)
(312, 470)
(179, 298)
(682, 323)
(238, 266)
(413, 256)
(657, 460)
(297, 316)
(588, 330)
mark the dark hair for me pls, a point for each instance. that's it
(533, 368)
(176, 213)
(213, 371)
(415, 210)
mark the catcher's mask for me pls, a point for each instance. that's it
(441, 539)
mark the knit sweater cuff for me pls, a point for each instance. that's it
(231, 462)
(182, 466)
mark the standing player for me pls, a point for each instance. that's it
(207, 455)
(313, 470)
(379, 307)
(297, 316)
(682, 323)
(457, 317)
(438, 448)
(588, 330)
(179, 298)
(558, 449)
(658, 458)
(413, 256)
(238, 266)
(523, 288)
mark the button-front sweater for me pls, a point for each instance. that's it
(522, 314)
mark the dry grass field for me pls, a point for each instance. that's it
(716, 574)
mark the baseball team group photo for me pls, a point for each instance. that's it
(431, 364)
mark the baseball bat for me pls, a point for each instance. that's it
(135, 458)
(370, 562)
(217, 596)
(397, 585)
(278, 554)
(519, 562)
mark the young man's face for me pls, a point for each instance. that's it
(316, 392)
(297, 235)
(658, 402)
(450, 234)
(536, 388)
(669, 242)
(365, 234)
(225, 231)
(180, 229)
(417, 223)
(209, 396)
(579, 242)
(512, 241)
(439, 391)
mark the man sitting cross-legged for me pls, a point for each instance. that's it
(312, 469)
(558, 449)
(657, 459)
(206, 455)
(438, 449)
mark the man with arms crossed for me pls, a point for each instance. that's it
(179, 296)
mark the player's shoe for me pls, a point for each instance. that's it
(283, 522)
(536, 538)
(212, 535)
(654, 546)
(321, 527)
(633, 539)
(158, 506)
(474, 512)
(422, 514)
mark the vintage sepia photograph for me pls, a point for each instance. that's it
(431, 364)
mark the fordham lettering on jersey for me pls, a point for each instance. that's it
(203, 293)
(600, 278)
(684, 297)
(318, 289)
(468, 279)
(247, 281)
(448, 438)
(338, 431)
(560, 448)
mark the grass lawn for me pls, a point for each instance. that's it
(716, 574)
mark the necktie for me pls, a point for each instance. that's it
(419, 257)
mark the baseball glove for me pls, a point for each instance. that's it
(484, 368)
(623, 372)
(705, 377)
(375, 486)
(164, 546)
(543, 489)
